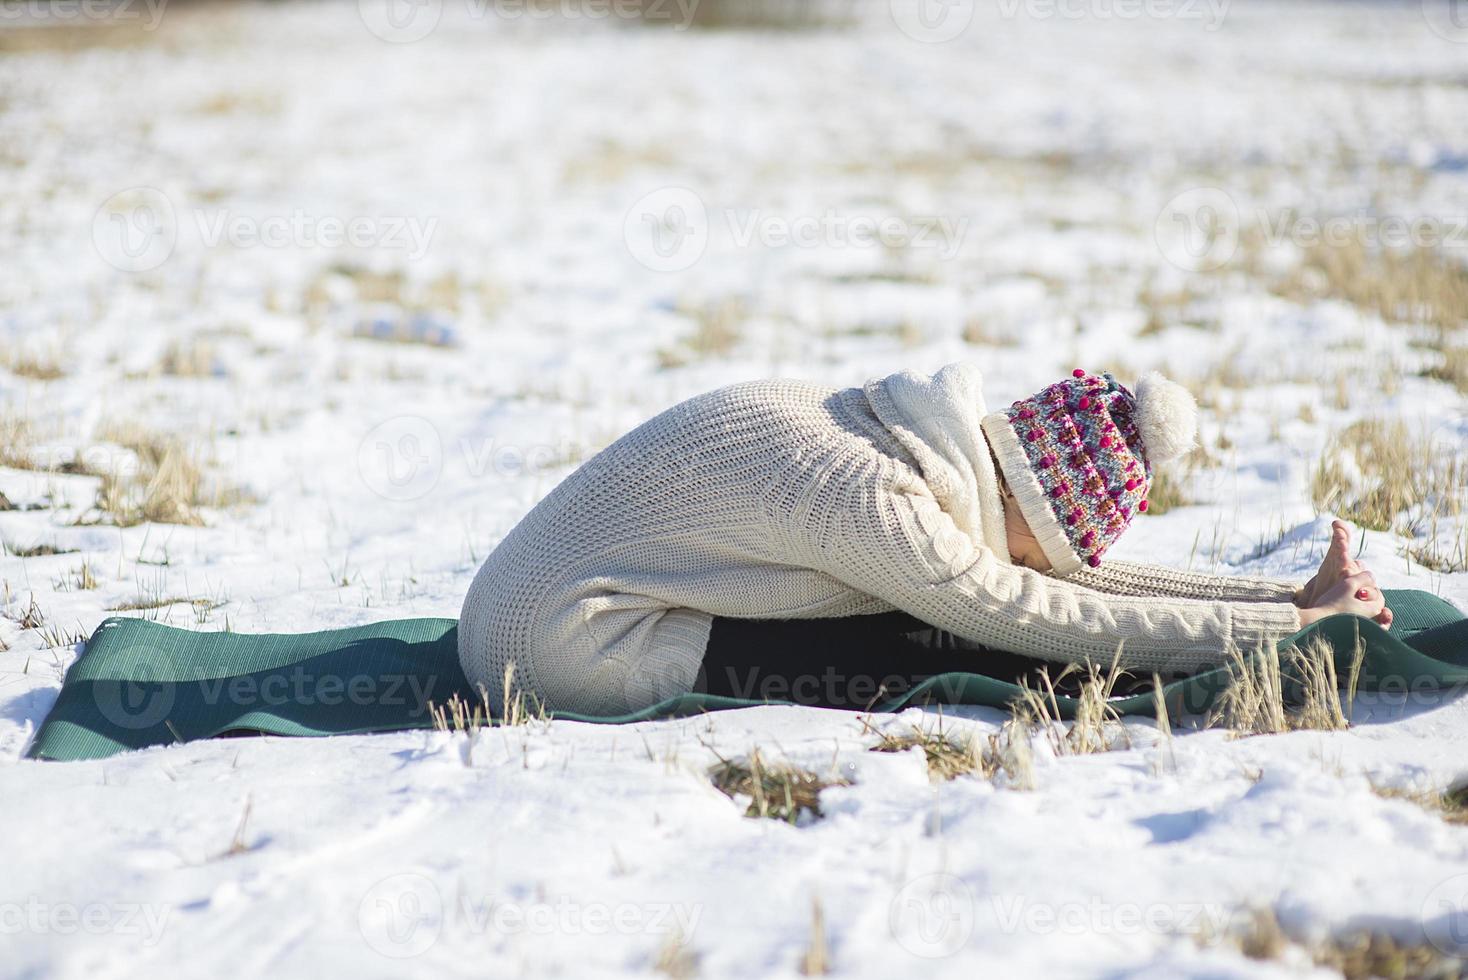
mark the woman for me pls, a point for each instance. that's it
(883, 532)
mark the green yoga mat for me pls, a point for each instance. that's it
(139, 684)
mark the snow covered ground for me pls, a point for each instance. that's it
(386, 279)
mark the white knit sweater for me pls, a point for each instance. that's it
(784, 499)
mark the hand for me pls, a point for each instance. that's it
(1336, 565)
(1356, 594)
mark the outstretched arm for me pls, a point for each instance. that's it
(893, 541)
(1139, 579)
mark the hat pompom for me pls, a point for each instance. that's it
(1166, 417)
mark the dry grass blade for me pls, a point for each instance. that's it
(676, 959)
(816, 960)
(1166, 760)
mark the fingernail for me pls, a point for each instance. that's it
(1363, 594)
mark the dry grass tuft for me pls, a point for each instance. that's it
(467, 717)
(31, 617)
(37, 367)
(1096, 726)
(1454, 366)
(516, 708)
(38, 551)
(55, 636)
(780, 15)
(949, 757)
(1380, 475)
(1415, 285)
(1451, 804)
(717, 327)
(15, 442)
(1256, 702)
(778, 792)
(1356, 954)
(1368, 473)
(459, 715)
(81, 578)
(192, 359)
(167, 485)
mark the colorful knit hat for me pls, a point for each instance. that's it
(1078, 458)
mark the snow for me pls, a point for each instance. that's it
(503, 166)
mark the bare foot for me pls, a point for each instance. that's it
(1357, 594)
(1335, 566)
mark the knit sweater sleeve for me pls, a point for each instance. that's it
(897, 544)
(1139, 579)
